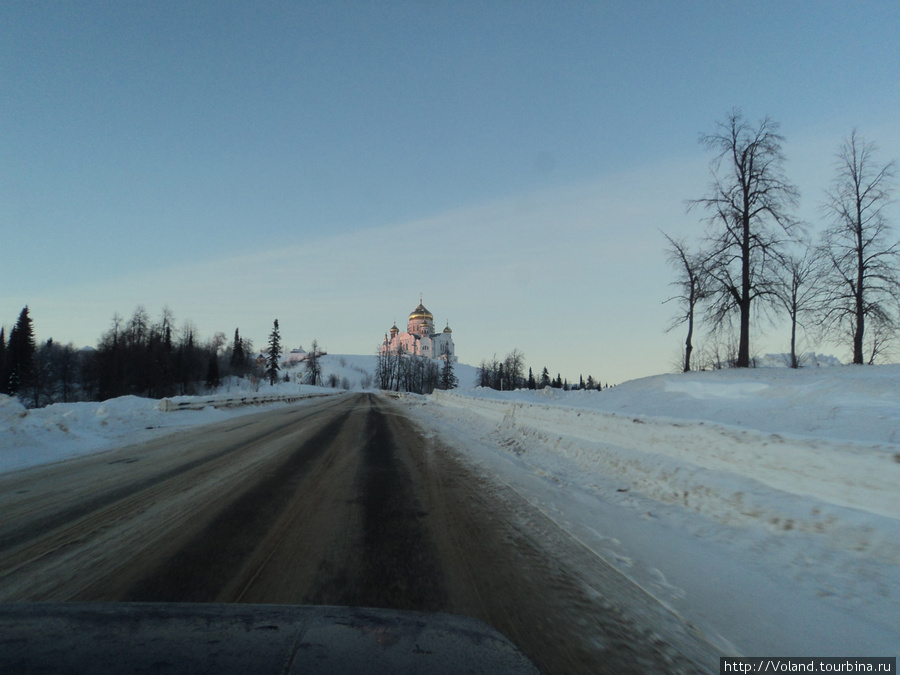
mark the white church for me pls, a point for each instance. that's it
(420, 338)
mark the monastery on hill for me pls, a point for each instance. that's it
(420, 338)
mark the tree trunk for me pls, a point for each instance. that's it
(795, 363)
(743, 360)
(688, 347)
(859, 333)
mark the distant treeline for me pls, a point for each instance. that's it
(509, 374)
(135, 356)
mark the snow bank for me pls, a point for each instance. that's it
(783, 486)
(854, 403)
(65, 430)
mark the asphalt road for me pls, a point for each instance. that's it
(336, 502)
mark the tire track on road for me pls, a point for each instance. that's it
(39, 527)
(198, 571)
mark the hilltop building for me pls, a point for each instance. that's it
(420, 338)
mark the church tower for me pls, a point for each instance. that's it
(421, 321)
(420, 338)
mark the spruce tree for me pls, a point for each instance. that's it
(272, 359)
(4, 373)
(448, 377)
(20, 354)
(545, 378)
(212, 372)
(237, 355)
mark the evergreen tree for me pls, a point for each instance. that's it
(238, 359)
(448, 377)
(20, 354)
(4, 373)
(272, 359)
(545, 378)
(531, 383)
(212, 372)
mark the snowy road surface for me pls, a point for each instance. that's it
(338, 502)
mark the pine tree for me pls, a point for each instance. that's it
(531, 383)
(212, 372)
(20, 355)
(4, 373)
(545, 378)
(238, 358)
(448, 377)
(272, 359)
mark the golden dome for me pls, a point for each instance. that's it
(421, 313)
(447, 329)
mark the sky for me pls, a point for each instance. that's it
(514, 164)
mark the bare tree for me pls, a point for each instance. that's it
(314, 364)
(797, 291)
(691, 286)
(749, 202)
(862, 283)
(513, 370)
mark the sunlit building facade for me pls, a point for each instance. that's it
(420, 337)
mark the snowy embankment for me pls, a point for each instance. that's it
(763, 505)
(65, 430)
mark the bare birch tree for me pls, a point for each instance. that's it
(749, 203)
(798, 292)
(863, 282)
(691, 288)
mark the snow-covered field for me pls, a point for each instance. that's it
(762, 505)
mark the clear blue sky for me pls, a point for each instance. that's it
(325, 162)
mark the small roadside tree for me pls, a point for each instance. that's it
(798, 292)
(274, 355)
(314, 364)
(691, 288)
